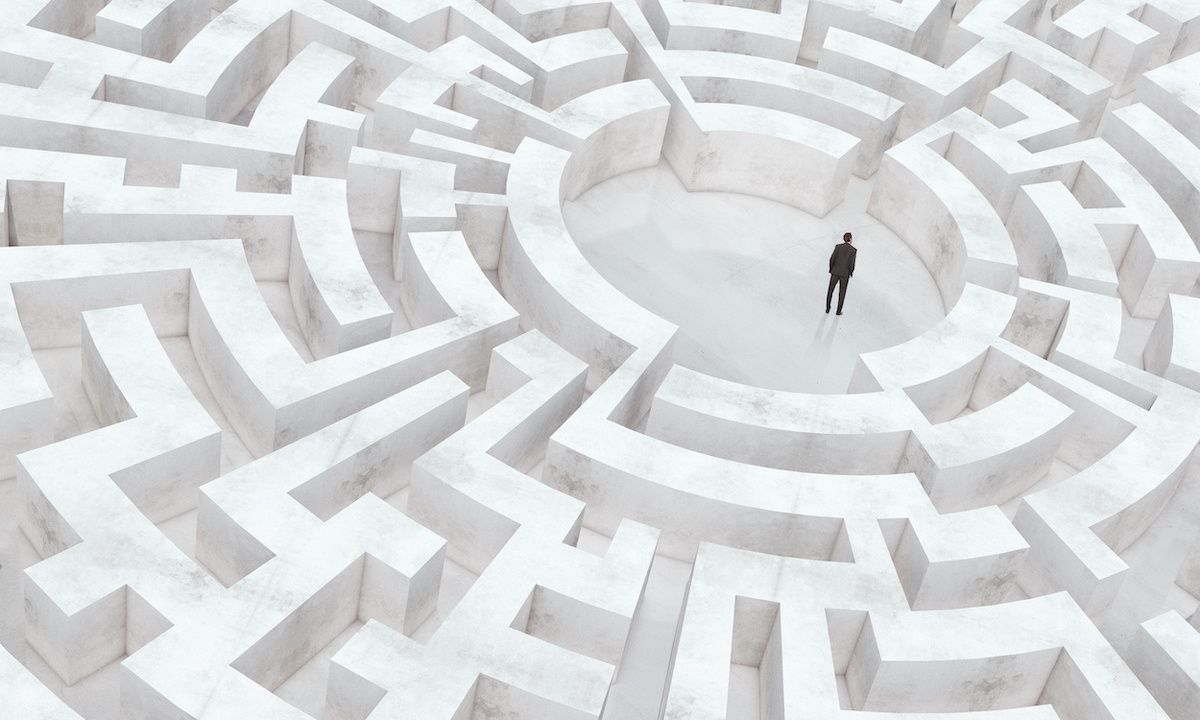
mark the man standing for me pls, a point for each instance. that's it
(841, 269)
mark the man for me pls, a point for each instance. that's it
(841, 269)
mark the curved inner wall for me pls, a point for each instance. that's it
(745, 278)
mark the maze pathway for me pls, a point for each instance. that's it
(312, 407)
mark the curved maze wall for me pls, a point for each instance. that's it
(310, 407)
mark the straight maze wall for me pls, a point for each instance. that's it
(311, 408)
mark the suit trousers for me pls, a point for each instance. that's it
(841, 281)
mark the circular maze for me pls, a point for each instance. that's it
(312, 405)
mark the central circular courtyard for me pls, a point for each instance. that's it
(745, 278)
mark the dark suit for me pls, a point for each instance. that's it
(841, 269)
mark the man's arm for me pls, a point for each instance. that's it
(853, 255)
(832, 255)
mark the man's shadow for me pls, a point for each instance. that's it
(816, 355)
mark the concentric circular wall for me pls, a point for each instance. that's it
(467, 360)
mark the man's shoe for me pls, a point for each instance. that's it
(826, 311)
(839, 312)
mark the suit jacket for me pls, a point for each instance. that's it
(841, 262)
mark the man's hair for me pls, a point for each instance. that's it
(846, 237)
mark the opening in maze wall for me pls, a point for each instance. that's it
(599, 360)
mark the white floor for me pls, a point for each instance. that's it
(745, 278)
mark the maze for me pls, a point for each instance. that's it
(311, 406)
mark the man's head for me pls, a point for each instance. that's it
(848, 238)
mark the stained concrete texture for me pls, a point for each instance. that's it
(368, 361)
